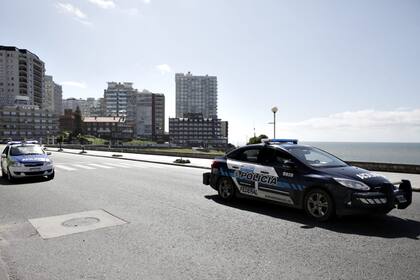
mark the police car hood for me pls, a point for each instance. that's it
(356, 173)
(30, 158)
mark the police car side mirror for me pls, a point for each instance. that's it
(48, 153)
(3, 155)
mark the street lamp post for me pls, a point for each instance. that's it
(274, 110)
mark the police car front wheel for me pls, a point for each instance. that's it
(10, 177)
(319, 205)
(226, 189)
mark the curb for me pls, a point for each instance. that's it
(139, 160)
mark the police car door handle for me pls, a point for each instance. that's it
(264, 172)
(235, 167)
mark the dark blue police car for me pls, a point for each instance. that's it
(304, 177)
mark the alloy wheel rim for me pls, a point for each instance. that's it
(317, 205)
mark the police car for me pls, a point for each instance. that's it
(25, 159)
(304, 177)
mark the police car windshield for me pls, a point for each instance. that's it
(315, 157)
(26, 150)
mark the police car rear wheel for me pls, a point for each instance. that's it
(319, 205)
(226, 189)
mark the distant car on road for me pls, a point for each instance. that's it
(25, 159)
(304, 177)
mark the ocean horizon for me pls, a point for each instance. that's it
(389, 152)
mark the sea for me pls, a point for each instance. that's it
(407, 153)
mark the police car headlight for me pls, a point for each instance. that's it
(48, 162)
(17, 164)
(352, 184)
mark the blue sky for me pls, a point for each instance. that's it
(337, 70)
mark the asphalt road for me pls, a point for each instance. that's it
(178, 229)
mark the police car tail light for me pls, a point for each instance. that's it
(352, 184)
(215, 164)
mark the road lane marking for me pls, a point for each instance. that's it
(100, 166)
(83, 166)
(65, 167)
(117, 165)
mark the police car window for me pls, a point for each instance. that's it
(271, 156)
(249, 155)
(26, 150)
(315, 157)
(6, 150)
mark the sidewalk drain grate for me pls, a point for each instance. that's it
(80, 222)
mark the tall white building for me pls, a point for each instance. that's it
(52, 99)
(21, 77)
(58, 99)
(116, 97)
(196, 94)
(48, 98)
(146, 111)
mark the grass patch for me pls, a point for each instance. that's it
(139, 142)
(94, 140)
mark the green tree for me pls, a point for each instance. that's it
(77, 130)
(256, 140)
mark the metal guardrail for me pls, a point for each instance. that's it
(387, 167)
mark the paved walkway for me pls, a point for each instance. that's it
(205, 163)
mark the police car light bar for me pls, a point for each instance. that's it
(31, 142)
(279, 141)
(14, 142)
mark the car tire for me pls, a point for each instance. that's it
(10, 177)
(226, 189)
(319, 205)
(50, 177)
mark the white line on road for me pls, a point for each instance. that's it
(65, 167)
(100, 166)
(118, 165)
(83, 166)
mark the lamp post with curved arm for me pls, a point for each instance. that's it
(274, 110)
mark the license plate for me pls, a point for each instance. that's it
(34, 169)
(248, 190)
(401, 198)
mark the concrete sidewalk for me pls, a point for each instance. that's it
(206, 163)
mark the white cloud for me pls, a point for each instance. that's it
(363, 119)
(104, 4)
(74, 84)
(73, 11)
(131, 11)
(365, 125)
(164, 68)
(146, 1)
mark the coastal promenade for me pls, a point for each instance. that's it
(204, 163)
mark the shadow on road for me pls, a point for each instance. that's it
(22, 181)
(387, 226)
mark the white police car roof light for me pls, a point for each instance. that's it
(279, 141)
(22, 142)
(14, 142)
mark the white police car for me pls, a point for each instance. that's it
(304, 177)
(25, 159)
